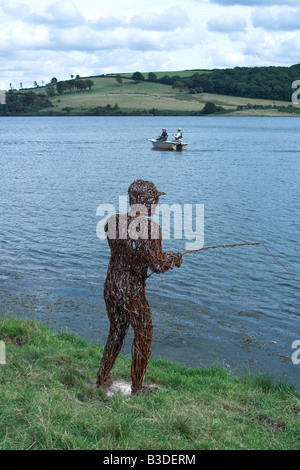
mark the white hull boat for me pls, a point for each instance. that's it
(168, 144)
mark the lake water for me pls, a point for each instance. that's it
(237, 305)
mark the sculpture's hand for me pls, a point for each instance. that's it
(174, 259)
(179, 259)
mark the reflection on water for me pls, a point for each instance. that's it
(234, 305)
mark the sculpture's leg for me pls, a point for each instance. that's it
(112, 348)
(141, 322)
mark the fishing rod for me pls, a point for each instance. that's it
(219, 246)
(242, 244)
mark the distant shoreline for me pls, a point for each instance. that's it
(105, 96)
(233, 114)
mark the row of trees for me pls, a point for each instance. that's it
(139, 77)
(71, 85)
(272, 83)
(175, 80)
(30, 102)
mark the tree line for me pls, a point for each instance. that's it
(72, 86)
(28, 102)
(269, 82)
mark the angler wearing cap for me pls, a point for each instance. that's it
(136, 245)
(164, 135)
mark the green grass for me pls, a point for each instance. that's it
(47, 401)
(134, 97)
(128, 96)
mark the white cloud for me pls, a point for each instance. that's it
(18, 35)
(18, 11)
(168, 20)
(84, 38)
(63, 12)
(283, 19)
(253, 3)
(39, 40)
(109, 22)
(225, 57)
(227, 24)
(273, 49)
(70, 32)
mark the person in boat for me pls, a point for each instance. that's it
(135, 241)
(163, 136)
(179, 135)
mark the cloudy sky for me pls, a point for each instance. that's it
(40, 40)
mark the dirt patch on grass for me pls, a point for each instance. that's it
(17, 341)
(273, 425)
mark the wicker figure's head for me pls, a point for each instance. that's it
(144, 192)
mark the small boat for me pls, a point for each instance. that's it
(168, 144)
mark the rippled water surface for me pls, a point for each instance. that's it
(234, 305)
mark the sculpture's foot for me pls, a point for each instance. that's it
(145, 389)
(106, 384)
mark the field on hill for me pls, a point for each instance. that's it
(148, 95)
(128, 96)
(108, 97)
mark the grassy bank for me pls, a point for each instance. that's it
(47, 401)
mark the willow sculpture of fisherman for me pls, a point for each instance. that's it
(135, 241)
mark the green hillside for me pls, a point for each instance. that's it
(167, 93)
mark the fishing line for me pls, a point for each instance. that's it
(242, 244)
